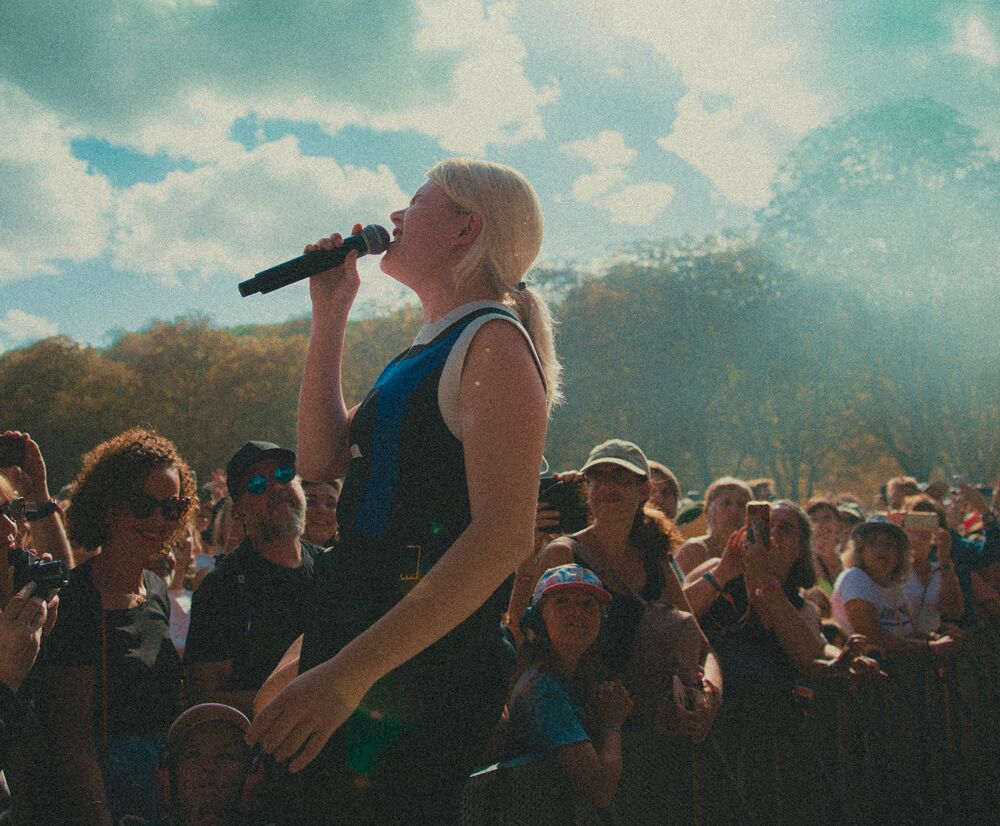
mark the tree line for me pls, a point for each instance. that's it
(850, 335)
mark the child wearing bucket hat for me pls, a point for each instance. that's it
(558, 708)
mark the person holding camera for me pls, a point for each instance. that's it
(749, 604)
(26, 617)
(43, 514)
(441, 462)
(110, 680)
(628, 546)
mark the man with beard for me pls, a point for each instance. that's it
(254, 604)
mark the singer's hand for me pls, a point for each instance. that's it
(335, 289)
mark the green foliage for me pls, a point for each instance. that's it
(854, 335)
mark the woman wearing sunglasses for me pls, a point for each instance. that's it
(441, 462)
(111, 679)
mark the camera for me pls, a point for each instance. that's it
(567, 498)
(47, 576)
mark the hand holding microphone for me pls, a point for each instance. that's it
(326, 254)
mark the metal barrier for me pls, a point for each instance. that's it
(922, 747)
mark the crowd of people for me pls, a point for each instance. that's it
(344, 631)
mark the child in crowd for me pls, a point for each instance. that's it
(558, 707)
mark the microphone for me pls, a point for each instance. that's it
(372, 240)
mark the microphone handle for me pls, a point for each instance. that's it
(294, 270)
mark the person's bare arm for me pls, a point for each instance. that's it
(951, 604)
(863, 617)
(502, 456)
(323, 419)
(691, 554)
(594, 768)
(284, 672)
(48, 533)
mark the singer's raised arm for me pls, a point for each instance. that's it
(323, 419)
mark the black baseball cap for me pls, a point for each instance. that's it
(246, 457)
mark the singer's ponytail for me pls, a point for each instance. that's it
(537, 320)
(505, 248)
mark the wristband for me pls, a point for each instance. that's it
(44, 510)
(711, 580)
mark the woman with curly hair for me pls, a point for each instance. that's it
(111, 678)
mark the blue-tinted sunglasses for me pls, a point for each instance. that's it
(257, 483)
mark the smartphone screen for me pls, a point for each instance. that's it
(759, 520)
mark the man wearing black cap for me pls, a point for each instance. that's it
(253, 605)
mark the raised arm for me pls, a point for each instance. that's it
(502, 417)
(48, 533)
(323, 418)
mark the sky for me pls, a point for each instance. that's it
(154, 153)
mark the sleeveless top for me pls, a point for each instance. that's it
(624, 613)
(405, 499)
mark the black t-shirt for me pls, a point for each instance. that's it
(250, 610)
(144, 671)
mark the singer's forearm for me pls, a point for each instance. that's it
(322, 416)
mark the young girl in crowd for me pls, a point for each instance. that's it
(557, 706)
(868, 597)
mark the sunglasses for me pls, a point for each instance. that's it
(143, 506)
(257, 483)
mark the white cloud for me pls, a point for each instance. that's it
(491, 100)
(608, 154)
(53, 209)
(607, 149)
(972, 37)
(590, 185)
(638, 205)
(237, 215)
(725, 147)
(18, 327)
(734, 52)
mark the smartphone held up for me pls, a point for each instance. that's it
(759, 521)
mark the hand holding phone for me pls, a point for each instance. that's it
(759, 522)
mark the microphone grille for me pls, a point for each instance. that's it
(376, 239)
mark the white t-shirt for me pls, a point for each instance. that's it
(924, 600)
(894, 614)
(180, 617)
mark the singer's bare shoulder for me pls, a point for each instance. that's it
(500, 356)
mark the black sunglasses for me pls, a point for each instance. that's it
(257, 483)
(143, 505)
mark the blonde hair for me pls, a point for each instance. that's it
(505, 248)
